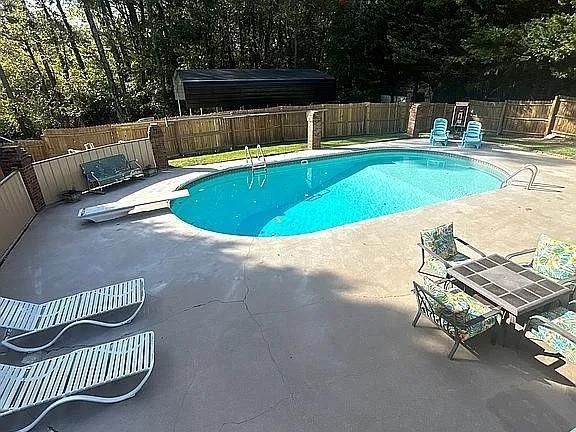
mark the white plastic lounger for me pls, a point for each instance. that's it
(67, 312)
(65, 379)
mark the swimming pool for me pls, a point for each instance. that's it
(301, 197)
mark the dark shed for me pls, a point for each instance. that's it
(252, 88)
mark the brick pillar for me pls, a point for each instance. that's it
(156, 137)
(413, 120)
(314, 119)
(16, 158)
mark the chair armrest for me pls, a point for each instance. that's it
(91, 174)
(450, 317)
(547, 323)
(465, 243)
(438, 257)
(134, 164)
(519, 253)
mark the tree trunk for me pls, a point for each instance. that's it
(104, 61)
(54, 33)
(28, 50)
(71, 37)
(20, 117)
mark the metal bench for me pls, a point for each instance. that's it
(110, 170)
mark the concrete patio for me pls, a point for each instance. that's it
(303, 333)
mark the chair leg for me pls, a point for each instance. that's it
(453, 350)
(493, 335)
(416, 318)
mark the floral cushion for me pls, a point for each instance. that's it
(435, 267)
(563, 318)
(440, 240)
(459, 307)
(554, 258)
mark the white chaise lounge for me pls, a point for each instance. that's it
(67, 378)
(26, 318)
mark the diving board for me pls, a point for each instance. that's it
(118, 209)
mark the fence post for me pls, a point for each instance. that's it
(156, 137)
(16, 158)
(314, 119)
(502, 118)
(281, 115)
(413, 120)
(552, 116)
(367, 118)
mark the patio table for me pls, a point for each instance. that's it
(515, 289)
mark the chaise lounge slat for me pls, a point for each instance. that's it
(30, 318)
(66, 378)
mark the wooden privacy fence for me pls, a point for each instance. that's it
(511, 118)
(233, 129)
(61, 173)
(16, 209)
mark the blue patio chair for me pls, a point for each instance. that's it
(473, 135)
(439, 132)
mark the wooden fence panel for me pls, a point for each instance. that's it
(526, 117)
(62, 173)
(16, 209)
(343, 120)
(488, 113)
(63, 139)
(37, 148)
(386, 117)
(294, 126)
(199, 135)
(565, 120)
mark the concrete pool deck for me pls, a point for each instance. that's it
(303, 333)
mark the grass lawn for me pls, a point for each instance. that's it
(280, 149)
(556, 146)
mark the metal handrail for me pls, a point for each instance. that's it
(248, 156)
(260, 161)
(528, 167)
(260, 156)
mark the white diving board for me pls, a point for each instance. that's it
(118, 209)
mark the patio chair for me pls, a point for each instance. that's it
(67, 312)
(439, 250)
(553, 259)
(557, 329)
(458, 314)
(439, 132)
(472, 135)
(67, 378)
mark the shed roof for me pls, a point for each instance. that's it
(205, 76)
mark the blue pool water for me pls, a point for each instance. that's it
(300, 198)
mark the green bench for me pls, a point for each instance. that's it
(110, 170)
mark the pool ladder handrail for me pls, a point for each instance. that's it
(528, 167)
(260, 159)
